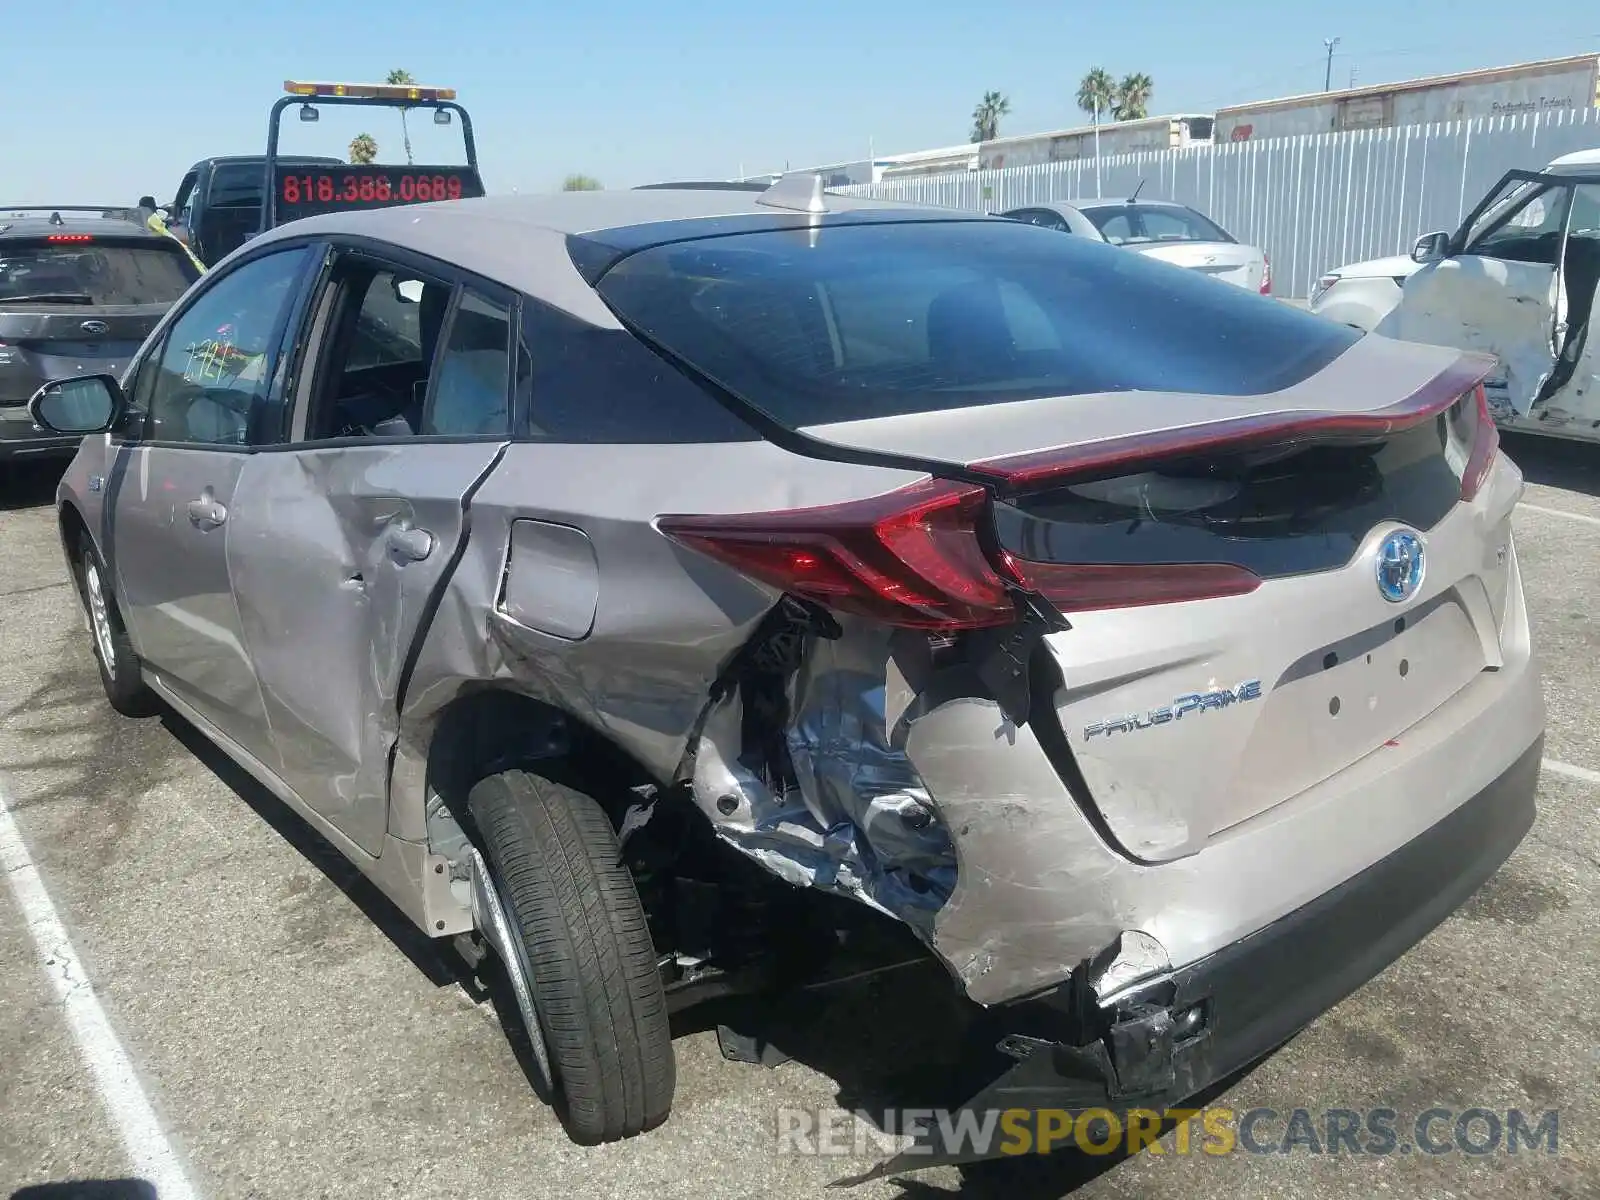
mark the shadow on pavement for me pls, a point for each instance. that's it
(433, 958)
(1553, 462)
(89, 1189)
(29, 485)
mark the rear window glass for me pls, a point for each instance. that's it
(98, 272)
(1124, 223)
(858, 321)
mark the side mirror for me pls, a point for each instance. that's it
(1431, 248)
(86, 405)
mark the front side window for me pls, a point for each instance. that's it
(1527, 221)
(220, 353)
(852, 322)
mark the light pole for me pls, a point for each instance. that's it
(1327, 77)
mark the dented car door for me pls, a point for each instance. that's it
(1499, 288)
(350, 533)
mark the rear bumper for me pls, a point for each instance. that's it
(1254, 994)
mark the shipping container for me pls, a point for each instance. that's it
(890, 166)
(1116, 137)
(1536, 87)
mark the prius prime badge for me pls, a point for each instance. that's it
(1400, 566)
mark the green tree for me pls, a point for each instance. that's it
(1132, 100)
(581, 183)
(1097, 94)
(363, 149)
(986, 117)
(403, 78)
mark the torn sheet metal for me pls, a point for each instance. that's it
(1474, 302)
(846, 812)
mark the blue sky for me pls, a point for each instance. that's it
(111, 100)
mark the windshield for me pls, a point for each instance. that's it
(97, 272)
(1124, 224)
(858, 321)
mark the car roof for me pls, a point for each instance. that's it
(225, 160)
(43, 226)
(1578, 158)
(1118, 201)
(520, 241)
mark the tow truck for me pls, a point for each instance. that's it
(223, 202)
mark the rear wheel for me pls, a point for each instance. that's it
(555, 862)
(120, 672)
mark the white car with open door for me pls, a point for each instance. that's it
(1518, 280)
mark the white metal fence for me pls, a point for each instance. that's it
(1311, 202)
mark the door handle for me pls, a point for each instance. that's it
(408, 544)
(206, 513)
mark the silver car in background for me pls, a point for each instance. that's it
(1162, 229)
(608, 574)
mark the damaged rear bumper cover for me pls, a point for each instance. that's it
(1169, 1039)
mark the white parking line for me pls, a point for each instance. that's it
(149, 1152)
(1583, 774)
(1560, 512)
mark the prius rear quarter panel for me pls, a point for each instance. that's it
(665, 620)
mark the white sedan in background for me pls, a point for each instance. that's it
(1362, 294)
(1163, 229)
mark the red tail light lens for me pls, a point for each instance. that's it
(912, 558)
(1085, 587)
(1485, 443)
(1266, 274)
(909, 558)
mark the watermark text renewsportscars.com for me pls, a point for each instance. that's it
(1211, 1131)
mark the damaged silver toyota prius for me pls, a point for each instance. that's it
(592, 569)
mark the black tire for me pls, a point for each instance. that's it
(122, 676)
(557, 865)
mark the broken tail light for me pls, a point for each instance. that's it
(909, 558)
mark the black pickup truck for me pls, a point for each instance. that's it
(224, 202)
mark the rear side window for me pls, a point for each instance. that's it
(852, 322)
(98, 272)
(585, 384)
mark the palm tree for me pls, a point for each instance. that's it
(363, 149)
(1096, 94)
(1132, 101)
(986, 117)
(581, 183)
(403, 78)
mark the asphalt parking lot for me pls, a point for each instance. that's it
(255, 1021)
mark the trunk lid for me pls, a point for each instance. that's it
(1228, 261)
(57, 342)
